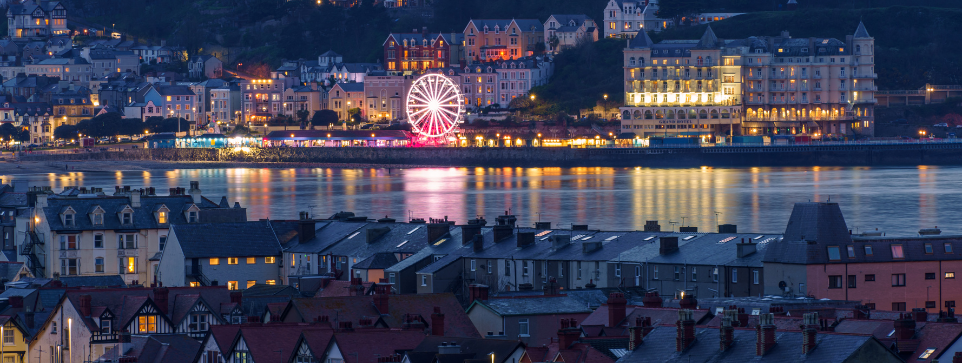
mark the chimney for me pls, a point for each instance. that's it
(236, 297)
(860, 312)
(919, 314)
(381, 296)
(651, 300)
(525, 239)
(372, 234)
(745, 249)
(635, 334)
(687, 301)
(616, 308)
(685, 330)
(477, 243)
(542, 225)
(957, 358)
(42, 200)
(668, 245)
(731, 228)
(160, 298)
(568, 334)
(468, 231)
(551, 287)
(437, 322)
(904, 327)
(652, 226)
(506, 220)
(195, 191)
(305, 227)
(16, 302)
(502, 231)
(478, 292)
(437, 230)
(84, 302)
(764, 334)
(560, 241)
(726, 333)
(810, 331)
(579, 227)
(742, 317)
(135, 200)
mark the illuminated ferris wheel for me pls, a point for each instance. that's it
(434, 106)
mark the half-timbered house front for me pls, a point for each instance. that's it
(89, 323)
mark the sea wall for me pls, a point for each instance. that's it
(842, 155)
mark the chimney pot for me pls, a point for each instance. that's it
(685, 330)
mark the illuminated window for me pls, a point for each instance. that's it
(271, 282)
(251, 260)
(897, 251)
(232, 285)
(250, 283)
(147, 324)
(950, 275)
(162, 217)
(232, 260)
(927, 353)
(168, 98)
(131, 265)
(269, 259)
(194, 284)
(214, 261)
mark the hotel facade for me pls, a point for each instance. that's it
(711, 87)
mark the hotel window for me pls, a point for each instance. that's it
(147, 323)
(897, 252)
(898, 280)
(232, 285)
(251, 260)
(833, 253)
(232, 260)
(214, 261)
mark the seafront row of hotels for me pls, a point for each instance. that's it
(123, 275)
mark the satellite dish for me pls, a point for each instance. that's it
(782, 285)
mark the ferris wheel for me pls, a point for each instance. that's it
(434, 106)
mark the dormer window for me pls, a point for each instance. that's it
(162, 217)
(192, 217)
(126, 218)
(68, 220)
(98, 219)
(104, 326)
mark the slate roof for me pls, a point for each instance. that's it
(124, 303)
(380, 260)
(356, 346)
(811, 227)
(342, 288)
(165, 90)
(659, 346)
(706, 249)
(537, 305)
(708, 40)
(658, 316)
(254, 238)
(160, 348)
(10, 270)
(351, 87)
(93, 281)
(326, 234)
(860, 32)
(143, 217)
(474, 348)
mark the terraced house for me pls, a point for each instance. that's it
(85, 232)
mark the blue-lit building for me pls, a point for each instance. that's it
(322, 138)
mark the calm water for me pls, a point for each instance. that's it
(895, 200)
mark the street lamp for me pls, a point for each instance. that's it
(606, 105)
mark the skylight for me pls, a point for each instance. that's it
(403, 243)
(438, 243)
(649, 238)
(586, 238)
(415, 229)
(687, 238)
(726, 240)
(927, 353)
(542, 233)
(611, 238)
(578, 236)
(353, 235)
(759, 237)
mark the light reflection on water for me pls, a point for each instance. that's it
(895, 200)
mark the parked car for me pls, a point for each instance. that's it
(941, 125)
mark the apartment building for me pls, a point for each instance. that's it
(263, 98)
(565, 31)
(385, 96)
(85, 232)
(417, 51)
(174, 101)
(494, 39)
(77, 71)
(302, 99)
(225, 103)
(821, 87)
(344, 97)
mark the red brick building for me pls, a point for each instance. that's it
(412, 52)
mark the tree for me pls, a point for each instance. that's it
(65, 132)
(7, 131)
(324, 118)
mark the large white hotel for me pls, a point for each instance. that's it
(820, 87)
